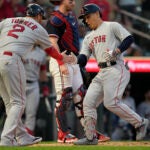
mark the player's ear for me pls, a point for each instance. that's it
(97, 14)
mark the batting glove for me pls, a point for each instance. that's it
(45, 89)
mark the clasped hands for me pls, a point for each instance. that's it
(70, 59)
(67, 59)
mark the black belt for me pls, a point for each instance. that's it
(106, 64)
(29, 81)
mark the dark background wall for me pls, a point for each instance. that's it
(140, 84)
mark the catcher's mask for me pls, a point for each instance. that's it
(88, 9)
(33, 10)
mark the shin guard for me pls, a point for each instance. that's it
(61, 108)
(78, 102)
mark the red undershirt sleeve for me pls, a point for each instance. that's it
(51, 51)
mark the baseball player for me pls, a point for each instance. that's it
(106, 41)
(35, 67)
(18, 36)
(63, 32)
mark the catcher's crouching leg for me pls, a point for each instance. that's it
(78, 103)
(61, 108)
(64, 136)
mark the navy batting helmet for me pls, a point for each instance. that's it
(88, 9)
(34, 9)
(55, 2)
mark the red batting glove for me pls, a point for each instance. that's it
(45, 91)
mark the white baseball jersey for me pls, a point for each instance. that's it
(100, 40)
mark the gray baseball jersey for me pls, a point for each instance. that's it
(34, 62)
(109, 84)
(17, 36)
(23, 32)
(106, 37)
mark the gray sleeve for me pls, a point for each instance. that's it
(85, 49)
(43, 39)
(119, 31)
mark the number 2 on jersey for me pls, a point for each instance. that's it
(16, 28)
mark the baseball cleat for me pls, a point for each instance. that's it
(85, 141)
(103, 138)
(65, 137)
(141, 131)
(13, 143)
(35, 140)
(68, 138)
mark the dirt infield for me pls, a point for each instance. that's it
(111, 143)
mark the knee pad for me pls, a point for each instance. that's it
(66, 98)
(82, 91)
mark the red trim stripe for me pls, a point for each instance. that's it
(116, 97)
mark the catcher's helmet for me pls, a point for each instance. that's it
(55, 2)
(34, 9)
(88, 9)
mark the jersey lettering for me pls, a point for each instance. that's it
(97, 40)
(30, 25)
(32, 61)
(16, 28)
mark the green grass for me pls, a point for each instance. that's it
(51, 146)
(98, 147)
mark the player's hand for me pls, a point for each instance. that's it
(111, 56)
(74, 58)
(64, 69)
(67, 58)
(107, 56)
(116, 52)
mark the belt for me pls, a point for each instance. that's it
(106, 64)
(29, 81)
(8, 53)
